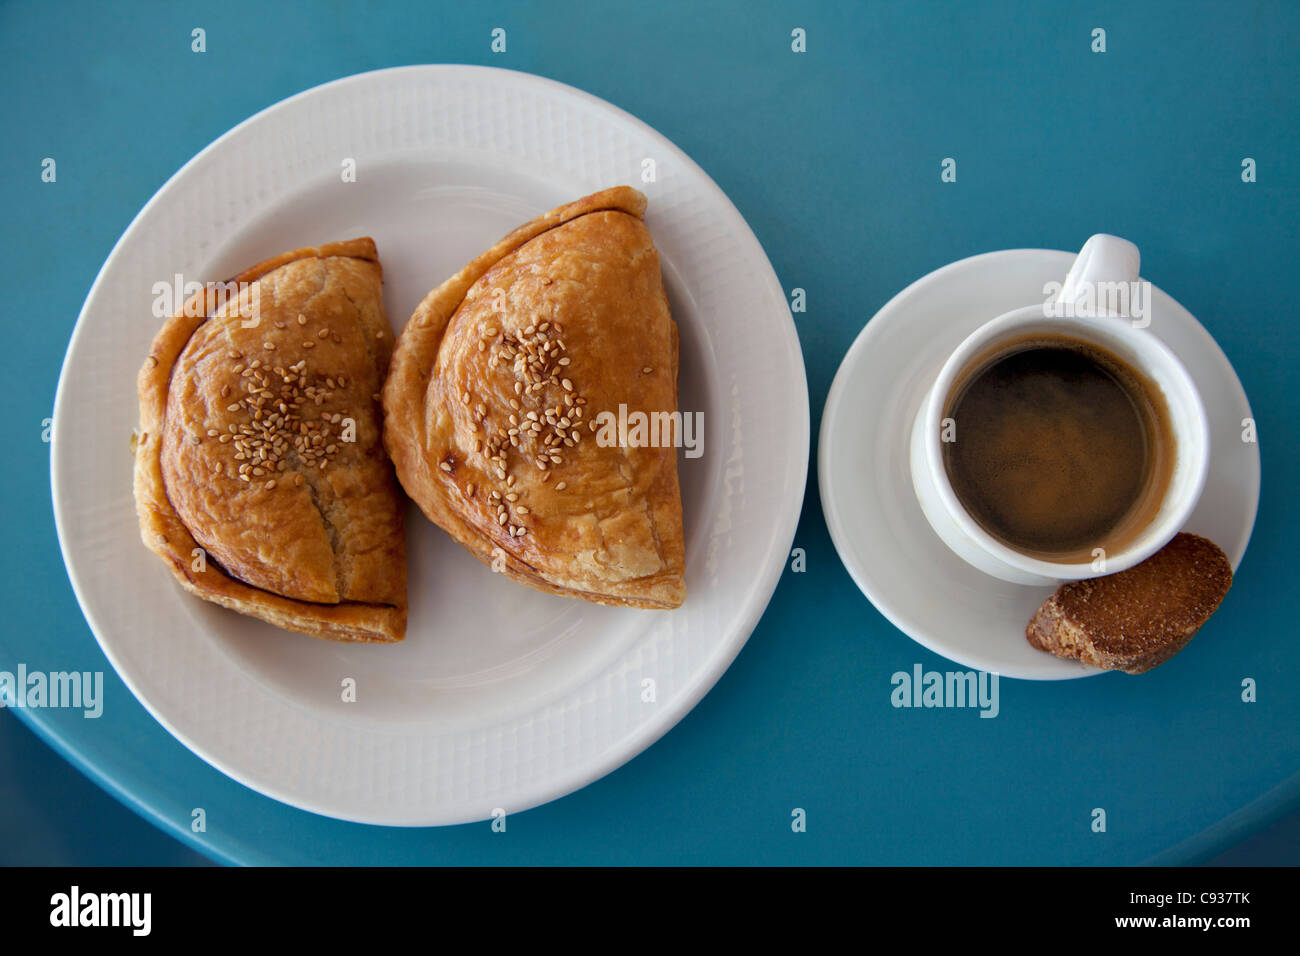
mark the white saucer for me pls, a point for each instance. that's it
(877, 525)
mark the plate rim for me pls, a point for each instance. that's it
(835, 522)
(742, 624)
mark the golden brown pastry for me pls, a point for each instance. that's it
(260, 476)
(495, 388)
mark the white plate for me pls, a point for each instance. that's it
(500, 697)
(877, 525)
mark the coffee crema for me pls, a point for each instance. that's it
(1058, 447)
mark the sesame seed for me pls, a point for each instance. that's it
(647, 370)
(561, 486)
(270, 484)
(302, 320)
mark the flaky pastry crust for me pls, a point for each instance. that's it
(494, 388)
(260, 476)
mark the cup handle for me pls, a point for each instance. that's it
(1103, 258)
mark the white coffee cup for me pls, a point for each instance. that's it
(1090, 291)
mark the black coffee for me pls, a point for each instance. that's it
(1060, 447)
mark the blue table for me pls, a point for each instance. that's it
(833, 155)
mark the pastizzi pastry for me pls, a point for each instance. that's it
(494, 393)
(260, 475)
